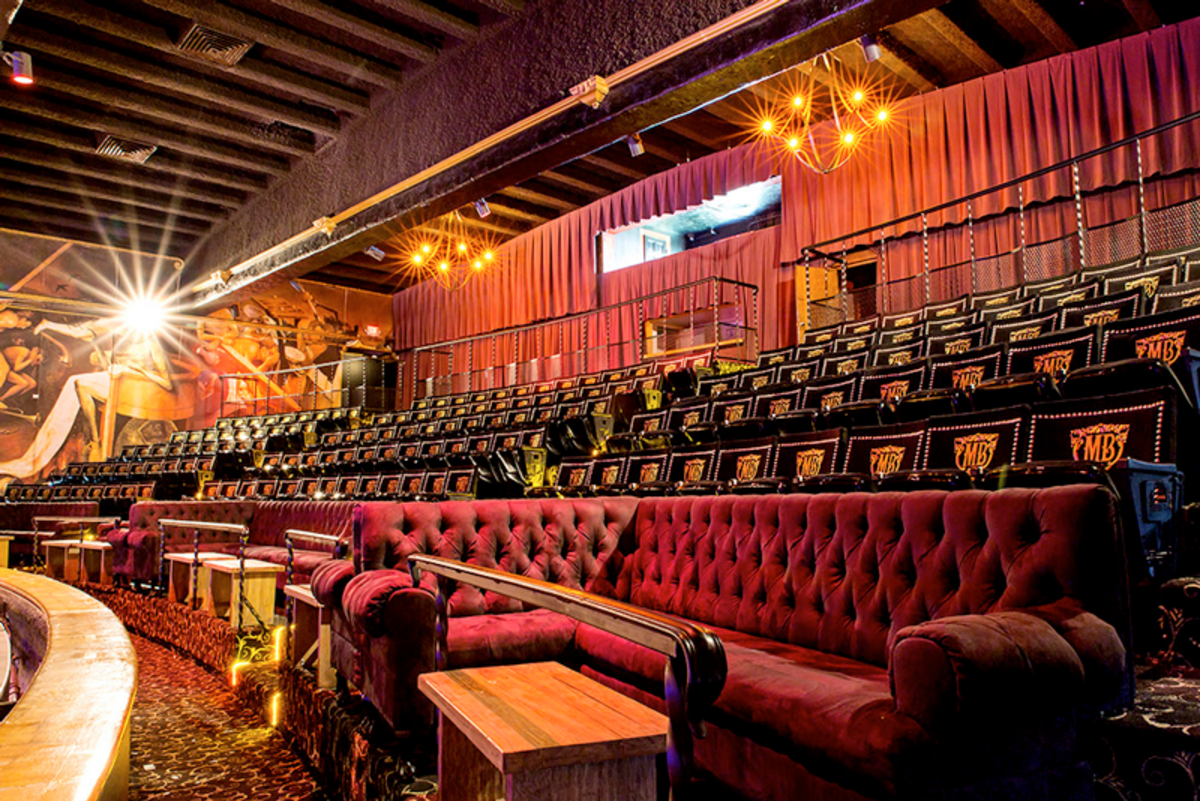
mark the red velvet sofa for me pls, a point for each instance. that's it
(136, 547)
(920, 645)
(19, 515)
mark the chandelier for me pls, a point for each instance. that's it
(449, 253)
(829, 114)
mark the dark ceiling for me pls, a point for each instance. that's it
(223, 132)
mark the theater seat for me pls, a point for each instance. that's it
(929, 479)
(1127, 375)
(916, 406)
(1015, 390)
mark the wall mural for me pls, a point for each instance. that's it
(79, 382)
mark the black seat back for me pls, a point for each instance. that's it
(966, 370)
(746, 461)
(1135, 425)
(776, 399)
(1055, 353)
(811, 454)
(825, 393)
(891, 383)
(885, 449)
(952, 344)
(977, 441)
(1102, 309)
(1025, 327)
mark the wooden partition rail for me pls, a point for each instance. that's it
(68, 736)
(695, 670)
(197, 526)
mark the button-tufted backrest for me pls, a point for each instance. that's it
(272, 518)
(18, 516)
(568, 542)
(145, 516)
(844, 573)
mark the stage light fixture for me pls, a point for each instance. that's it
(482, 208)
(870, 47)
(375, 253)
(22, 66)
(636, 148)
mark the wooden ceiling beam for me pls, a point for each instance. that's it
(175, 246)
(706, 128)
(258, 107)
(910, 67)
(960, 41)
(162, 162)
(79, 221)
(1039, 19)
(38, 199)
(516, 210)
(616, 168)
(158, 107)
(120, 175)
(1143, 13)
(541, 198)
(333, 275)
(280, 37)
(578, 184)
(392, 41)
(432, 17)
(313, 90)
(73, 186)
(233, 155)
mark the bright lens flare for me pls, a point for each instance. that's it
(426, 248)
(882, 115)
(487, 256)
(462, 247)
(797, 101)
(793, 143)
(848, 138)
(478, 265)
(858, 96)
(443, 266)
(144, 316)
(767, 125)
(417, 258)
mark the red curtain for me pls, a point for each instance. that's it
(964, 138)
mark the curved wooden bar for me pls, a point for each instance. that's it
(67, 739)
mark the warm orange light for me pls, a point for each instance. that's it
(275, 709)
(24, 80)
(767, 126)
(416, 258)
(487, 255)
(462, 247)
(882, 115)
(848, 137)
(793, 143)
(279, 644)
(233, 671)
(478, 265)
(858, 96)
(443, 266)
(797, 101)
(426, 248)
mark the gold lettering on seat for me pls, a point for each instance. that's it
(777, 359)
(439, 484)
(609, 474)
(1071, 298)
(649, 472)
(650, 424)
(975, 450)
(831, 399)
(693, 469)
(808, 463)
(1166, 346)
(691, 418)
(1053, 362)
(735, 412)
(1103, 443)
(1000, 301)
(747, 466)
(905, 336)
(894, 390)
(905, 321)
(949, 311)
(967, 377)
(846, 367)
(1011, 314)
(1102, 316)
(958, 346)
(1147, 283)
(576, 477)
(857, 344)
(781, 405)
(462, 484)
(760, 381)
(954, 326)
(886, 459)
(800, 375)
(903, 357)
(1025, 333)
(1191, 301)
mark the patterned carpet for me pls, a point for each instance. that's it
(191, 738)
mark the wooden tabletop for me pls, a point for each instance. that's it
(64, 737)
(94, 545)
(230, 564)
(302, 593)
(190, 556)
(542, 715)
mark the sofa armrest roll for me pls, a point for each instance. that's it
(954, 671)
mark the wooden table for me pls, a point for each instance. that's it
(5, 539)
(94, 564)
(541, 731)
(179, 575)
(310, 622)
(258, 587)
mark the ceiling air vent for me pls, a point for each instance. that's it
(211, 45)
(125, 150)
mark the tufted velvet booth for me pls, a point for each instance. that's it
(18, 516)
(135, 549)
(917, 645)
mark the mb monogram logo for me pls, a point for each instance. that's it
(735, 412)
(847, 367)
(894, 390)
(975, 451)
(857, 344)
(1025, 333)
(576, 476)
(414, 485)
(747, 466)
(1103, 316)
(760, 381)
(691, 418)
(967, 377)
(649, 472)
(906, 336)
(1147, 283)
(831, 399)
(693, 469)
(439, 484)
(650, 424)
(904, 357)
(1000, 301)
(1073, 297)
(903, 321)
(462, 484)
(1192, 301)
(609, 476)
(821, 338)
(954, 326)
(958, 346)
(800, 375)
(781, 405)
(886, 459)
(1167, 346)
(1055, 361)
(949, 311)
(774, 360)
(1103, 442)
(1011, 314)
(808, 463)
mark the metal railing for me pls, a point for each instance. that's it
(1030, 257)
(295, 389)
(715, 314)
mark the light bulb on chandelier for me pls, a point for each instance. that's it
(451, 253)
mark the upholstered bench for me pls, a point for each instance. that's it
(922, 645)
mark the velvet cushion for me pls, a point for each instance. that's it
(272, 518)
(535, 636)
(329, 581)
(366, 596)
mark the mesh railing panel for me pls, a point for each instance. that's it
(997, 272)
(1051, 259)
(1112, 243)
(949, 282)
(1173, 227)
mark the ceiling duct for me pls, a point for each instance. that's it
(125, 150)
(206, 44)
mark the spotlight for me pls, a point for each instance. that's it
(375, 253)
(848, 137)
(144, 316)
(482, 208)
(636, 148)
(22, 67)
(462, 247)
(767, 126)
(794, 143)
(870, 47)
(798, 101)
